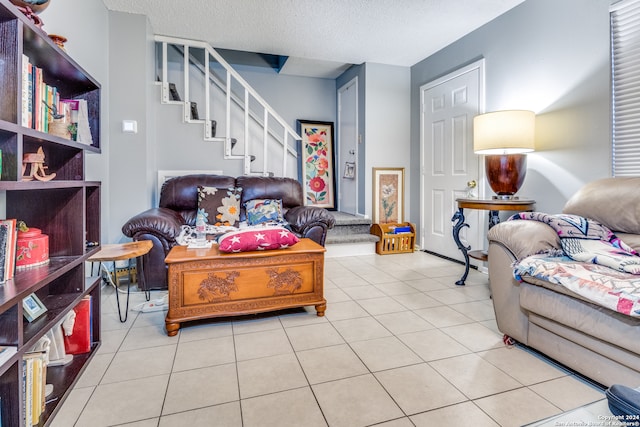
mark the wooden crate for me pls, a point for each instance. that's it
(391, 243)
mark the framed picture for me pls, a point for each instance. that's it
(349, 170)
(317, 171)
(32, 307)
(388, 195)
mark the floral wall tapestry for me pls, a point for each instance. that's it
(317, 163)
(388, 195)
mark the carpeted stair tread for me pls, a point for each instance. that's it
(351, 238)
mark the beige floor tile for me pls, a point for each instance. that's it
(202, 353)
(521, 365)
(383, 305)
(345, 310)
(225, 415)
(73, 406)
(261, 344)
(361, 328)
(199, 388)
(474, 336)
(405, 274)
(444, 271)
(149, 336)
(385, 353)
(416, 301)
(425, 285)
(357, 401)
(378, 277)
(330, 363)
(419, 388)
(404, 322)
(336, 295)
(443, 316)
(95, 370)
(313, 336)
(400, 422)
(476, 310)
(141, 363)
(516, 407)
(567, 392)
(111, 340)
(150, 422)
(124, 402)
(153, 318)
(461, 414)
(267, 411)
(433, 344)
(363, 292)
(301, 316)
(450, 296)
(395, 288)
(349, 280)
(269, 375)
(211, 329)
(474, 376)
(256, 323)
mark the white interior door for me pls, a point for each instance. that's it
(448, 162)
(348, 148)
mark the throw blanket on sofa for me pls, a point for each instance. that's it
(586, 240)
(595, 264)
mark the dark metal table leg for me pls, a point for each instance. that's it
(494, 218)
(459, 217)
(117, 282)
(142, 282)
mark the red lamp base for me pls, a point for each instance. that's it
(505, 173)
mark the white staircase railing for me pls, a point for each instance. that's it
(283, 136)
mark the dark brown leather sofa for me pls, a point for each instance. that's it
(179, 201)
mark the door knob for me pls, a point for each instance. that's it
(472, 184)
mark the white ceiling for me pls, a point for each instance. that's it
(321, 36)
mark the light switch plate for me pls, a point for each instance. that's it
(129, 126)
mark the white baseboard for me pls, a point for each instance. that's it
(349, 249)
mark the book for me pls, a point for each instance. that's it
(25, 91)
(35, 384)
(84, 131)
(6, 352)
(79, 341)
(8, 240)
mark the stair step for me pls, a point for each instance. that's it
(351, 238)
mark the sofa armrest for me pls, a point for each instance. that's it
(523, 238)
(310, 221)
(161, 222)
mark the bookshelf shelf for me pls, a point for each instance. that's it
(67, 209)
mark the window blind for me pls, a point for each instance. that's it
(625, 81)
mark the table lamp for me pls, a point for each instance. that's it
(504, 137)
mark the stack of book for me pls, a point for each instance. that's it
(41, 103)
(8, 242)
(34, 381)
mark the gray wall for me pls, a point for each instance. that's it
(86, 26)
(551, 57)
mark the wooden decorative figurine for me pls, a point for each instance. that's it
(37, 170)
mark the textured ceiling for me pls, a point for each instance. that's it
(394, 32)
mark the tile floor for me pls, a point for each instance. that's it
(400, 345)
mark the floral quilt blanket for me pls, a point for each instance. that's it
(594, 263)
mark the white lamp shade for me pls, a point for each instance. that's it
(504, 132)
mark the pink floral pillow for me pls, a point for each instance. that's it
(257, 239)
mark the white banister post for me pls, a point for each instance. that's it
(187, 104)
(285, 146)
(227, 144)
(265, 140)
(207, 106)
(165, 83)
(247, 155)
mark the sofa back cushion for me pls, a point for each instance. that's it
(181, 193)
(614, 202)
(259, 187)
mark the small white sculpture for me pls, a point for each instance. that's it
(57, 353)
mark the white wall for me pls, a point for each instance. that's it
(551, 57)
(387, 142)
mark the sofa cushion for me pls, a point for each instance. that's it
(220, 206)
(257, 239)
(260, 211)
(615, 202)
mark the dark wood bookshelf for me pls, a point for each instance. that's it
(67, 209)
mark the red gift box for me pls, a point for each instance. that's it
(80, 340)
